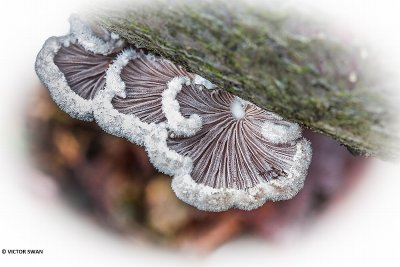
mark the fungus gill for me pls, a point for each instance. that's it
(222, 151)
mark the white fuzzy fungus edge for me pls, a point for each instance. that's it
(211, 199)
(162, 157)
(177, 123)
(48, 72)
(150, 135)
(84, 35)
(62, 94)
(107, 117)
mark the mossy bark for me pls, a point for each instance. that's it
(272, 59)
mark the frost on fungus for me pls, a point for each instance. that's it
(222, 151)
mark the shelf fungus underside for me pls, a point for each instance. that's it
(222, 151)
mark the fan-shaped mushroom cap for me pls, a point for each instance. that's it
(140, 94)
(84, 71)
(238, 159)
(222, 151)
(73, 67)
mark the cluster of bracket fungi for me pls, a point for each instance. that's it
(222, 151)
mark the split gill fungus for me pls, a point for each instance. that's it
(222, 151)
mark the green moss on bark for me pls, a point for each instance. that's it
(271, 59)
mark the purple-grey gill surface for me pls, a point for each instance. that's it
(145, 79)
(83, 70)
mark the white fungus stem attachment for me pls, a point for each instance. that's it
(280, 131)
(237, 109)
(198, 80)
